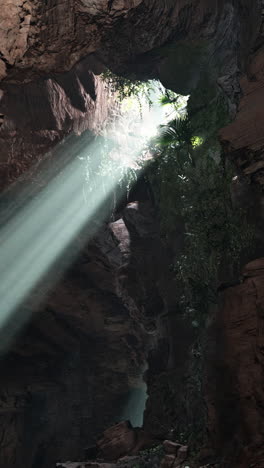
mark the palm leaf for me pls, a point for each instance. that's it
(177, 132)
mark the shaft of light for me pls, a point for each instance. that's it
(41, 232)
(46, 223)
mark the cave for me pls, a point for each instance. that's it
(132, 249)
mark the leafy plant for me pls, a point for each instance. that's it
(195, 192)
(169, 97)
(102, 169)
(126, 88)
(178, 135)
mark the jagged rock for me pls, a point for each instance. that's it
(144, 441)
(117, 441)
(89, 337)
(59, 45)
(37, 37)
(71, 103)
(86, 347)
(234, 383)
(243, 138)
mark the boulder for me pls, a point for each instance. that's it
(170, 447)
(143, 441)
(117, 441)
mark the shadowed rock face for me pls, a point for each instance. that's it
(236, 378)
(243, 138)
(74, 367)
(42, 37)
(38, 115)
(78, 367)
(182, 43)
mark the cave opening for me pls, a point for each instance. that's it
(152, 183)
(131, 208)
(150, 188)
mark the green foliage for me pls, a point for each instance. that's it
(176, 134)
(104, 169)
(169, 97)
(121, 148)
(195, 192)
(127, 88)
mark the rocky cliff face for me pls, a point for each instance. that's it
(243, 139)
(235, 377)
(38, 115)
(80, 362)
(78, 367)
(39, 37)
(44, 95)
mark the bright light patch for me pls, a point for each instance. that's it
(197, 141)
(48, 221)
(41, 233)
(139, 122)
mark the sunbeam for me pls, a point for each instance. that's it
(40, 232)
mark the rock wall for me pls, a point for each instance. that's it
(38, 115)
(48, 51)
(243, 138)
(235, 375)
(39, 37)
(78, 365)
(74, 368)
(235, 379)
